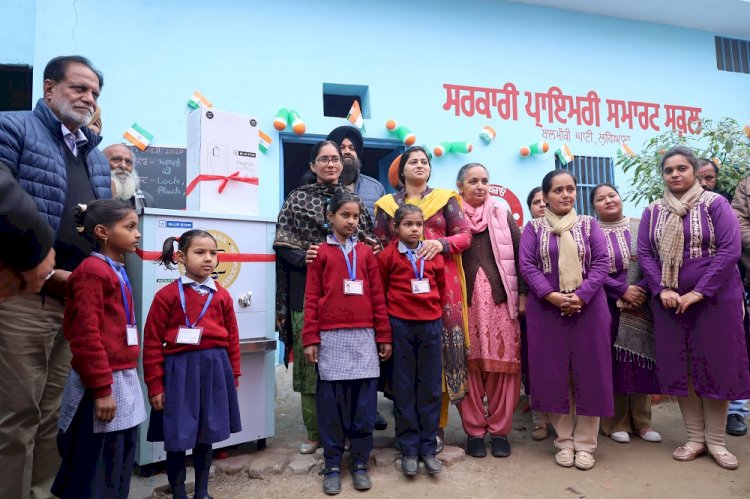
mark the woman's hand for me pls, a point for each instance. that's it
(384, 351)
(557, 299)
(311, 354)
(685, 301)
(430, 249)
(669, 298)
(105, 408)
(521, 305)
(311, 254)
(574, 304)
(635, 295)
(157, 402)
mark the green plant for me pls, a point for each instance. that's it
(724, 140)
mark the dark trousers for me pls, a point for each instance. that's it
(94, 465)
(346, 408)
(417, 384)
(202, 456)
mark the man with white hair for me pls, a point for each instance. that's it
(125, 180)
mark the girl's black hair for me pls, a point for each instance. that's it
(404, 210)
(405, 157)
(592, 196)
(340, 199)
(547, 180)
(183, 243)
(685, 151)
(531, 195)
(106, 212)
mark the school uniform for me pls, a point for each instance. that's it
(345, 315)
(416, 320)
(197, 375)
(98, 457)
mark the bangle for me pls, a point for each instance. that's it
(47, 278)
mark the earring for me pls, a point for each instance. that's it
(105, 240)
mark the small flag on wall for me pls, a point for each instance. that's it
(197, 100)
(138, 136)
(625, 150)
(265, 142)
(564, 154)
(355, 116)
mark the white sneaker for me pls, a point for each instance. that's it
(649, 435)
(620, 436)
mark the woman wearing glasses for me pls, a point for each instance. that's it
(447, 233)
(302, 223)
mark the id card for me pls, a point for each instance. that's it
(189, 335)
(132, 335)
(420, 286)
(353, 287)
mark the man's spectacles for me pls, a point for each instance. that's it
(324, 160)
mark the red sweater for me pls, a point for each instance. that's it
(397, 274)
(94, 325)
(166, 316)
(326, 305)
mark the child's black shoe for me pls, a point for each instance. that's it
(331, 481)
(432, 465)
(409, 465)
(361, 478)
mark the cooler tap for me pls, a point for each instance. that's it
(246, 300)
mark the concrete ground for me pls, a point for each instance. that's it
(637, 469)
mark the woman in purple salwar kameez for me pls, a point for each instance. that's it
(632, 335)
(688, 248)
(564, 261)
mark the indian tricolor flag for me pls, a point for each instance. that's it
(138, 136)
(197, 100)
(355, 116)
(625, 150)
(264, 142)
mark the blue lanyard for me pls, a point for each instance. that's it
(122, 276)
(350, 266)
(184, 308)
(413, 260)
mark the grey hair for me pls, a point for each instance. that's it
(468, 166)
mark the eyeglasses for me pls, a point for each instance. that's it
(324, 160)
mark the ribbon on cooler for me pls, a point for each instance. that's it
(223, 178)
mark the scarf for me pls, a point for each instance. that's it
(569, 266)
(671, 241)
(478, 218)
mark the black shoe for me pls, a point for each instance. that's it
(500, 446)
(736, 425)
(409, 465)
(475, 447)
(331, 481)
(380, 422)
(432, 465)
(360, 477)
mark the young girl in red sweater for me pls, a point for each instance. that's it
(102, 401)
(346, 332)
(413, 289)
(191, 361)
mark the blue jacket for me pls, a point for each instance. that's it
(32, 145)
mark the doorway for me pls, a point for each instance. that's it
(295, 157)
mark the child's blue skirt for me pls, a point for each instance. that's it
(200, 401)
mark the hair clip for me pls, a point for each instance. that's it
(80, 228)
(83, 208)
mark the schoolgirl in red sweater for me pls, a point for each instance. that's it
(413, 289)
(346, 332)
(102, 401)
(191, 361)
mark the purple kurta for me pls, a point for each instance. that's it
(710, 333)
(628, 375)
(579, 344)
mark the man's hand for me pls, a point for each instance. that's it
(38, 276)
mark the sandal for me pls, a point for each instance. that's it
(684, 453)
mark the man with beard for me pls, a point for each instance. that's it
(54, 157)
(351, 143)
(125, 180)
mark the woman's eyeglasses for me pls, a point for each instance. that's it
(324, 160)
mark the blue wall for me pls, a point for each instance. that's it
(17, 31)
(254, 57)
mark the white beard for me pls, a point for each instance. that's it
(125, 184)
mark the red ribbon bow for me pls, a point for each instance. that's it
(224, 181)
